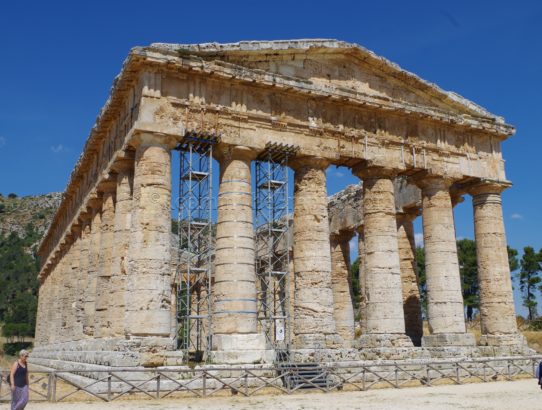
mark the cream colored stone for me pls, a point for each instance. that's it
(444, 297)
(314, 323)
(409, 280)
(234, 289)
(149, 253)
(384, 302)
(497, 313)
(341, 282)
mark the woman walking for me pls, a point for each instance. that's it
(18, 377)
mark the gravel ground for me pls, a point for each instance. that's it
(523, 394)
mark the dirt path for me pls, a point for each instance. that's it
(522, 395)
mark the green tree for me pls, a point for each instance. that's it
(422, 279)
(529, 279)
(468, 268)
(355, 282)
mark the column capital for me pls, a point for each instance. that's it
(124, 162)
(225, 152)
(108, 184)
(364, 171)
(147, 139)
(408, 214)
(341, 236)
(427, 181)
(487, 186)
(75, 230)
(95, 201)
(297, 163)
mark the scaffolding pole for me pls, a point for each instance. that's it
(195, 233)
(272, 243)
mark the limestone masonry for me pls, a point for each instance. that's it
(117, 289)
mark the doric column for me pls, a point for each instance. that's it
(234, 289)
(361, 281)
(82, 277)
(497, 313)
(149, 254)
(444, 297)
(41, 325)
(341, 282)
(314, 323)
(64, 308)
(102, 324)
(122, 225)
(384, 300)
(72, 284)
(412, 307)
(89, 305)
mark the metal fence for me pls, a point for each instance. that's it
(114, 384)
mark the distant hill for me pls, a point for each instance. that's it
(17, 212)
(23, 222)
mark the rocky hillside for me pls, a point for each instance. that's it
(18, 213)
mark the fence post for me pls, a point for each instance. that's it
(108, 386)
(396, 377)
(457, 372)
(158, 386)
(509, 370)
(204, 383)
(246, 384)
(428, 374)
(53, 398)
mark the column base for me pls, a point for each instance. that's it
(383, 340)
(512, 339)
(449, 339)
(319, 341)
(240, 348)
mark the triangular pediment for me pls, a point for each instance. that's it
(339, 65)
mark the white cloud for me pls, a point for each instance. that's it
(338, 174)
(516, 216)
(57, 149)
(2, 142)
(418, 239)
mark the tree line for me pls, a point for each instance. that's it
(19, 290)
(527, 270)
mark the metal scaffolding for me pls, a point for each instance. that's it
(195, 251)
(272, 243)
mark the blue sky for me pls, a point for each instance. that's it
(58, 59)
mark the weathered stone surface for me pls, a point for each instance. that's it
(314, 323)
(384, 302)
(103, 315)
(148, 304)
(121, 228)
(409, 280)
(336, 103)
(497, 312)
(444, 297)
(341, 282)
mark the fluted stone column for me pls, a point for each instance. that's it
(384, 300)
(234, 289)
(64, 306)
(149, 299)
(73, 331)
(82, 278)
(361, 281)
(412, 307)
(444, 297)
(102, 326)
(314, 322)
(121, 227)
(89, 305)
(497, 313)
(341, 281)
(41, 325)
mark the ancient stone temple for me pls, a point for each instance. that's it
(244, 278)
